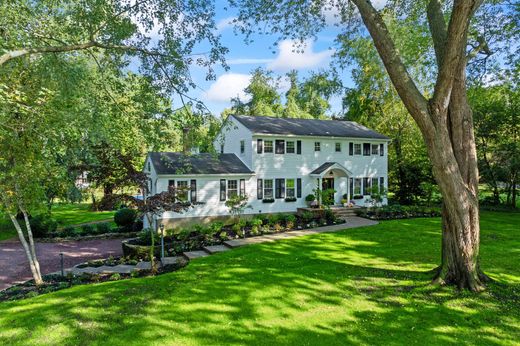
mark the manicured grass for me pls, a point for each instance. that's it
(73, 214)
(65, 214)
(360, 286)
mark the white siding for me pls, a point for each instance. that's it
(232, 133)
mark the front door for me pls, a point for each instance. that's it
(328, 184)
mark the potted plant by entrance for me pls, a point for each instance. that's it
(311, 200)
(344, 202)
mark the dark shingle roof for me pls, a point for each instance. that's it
(323, 168)
(306, 127)
(204, 163)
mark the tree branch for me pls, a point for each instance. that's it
(414, 101)
(438, 29)
(455, 43)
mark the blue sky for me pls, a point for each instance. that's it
(242, 59)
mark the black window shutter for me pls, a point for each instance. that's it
(351, 190)
(366, 149)
(260, 189)
(381, 149)
(193, 190)
(351, 148)
(222, 189)
(259, 146)
(299, 147)
(242, 187)
(298, 188)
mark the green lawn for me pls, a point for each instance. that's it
(65, 214)
(360, 286)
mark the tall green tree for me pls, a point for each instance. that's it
(442, 113)
(497, 134)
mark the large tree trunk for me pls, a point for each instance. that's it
(446, 123)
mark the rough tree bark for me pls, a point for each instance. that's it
(446, 124)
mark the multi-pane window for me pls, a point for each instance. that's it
(268, 146)
(317, 146)
(366, 149)
(289, 147)
(242, 146)
(375, 185)
(268, 189)
(182, 190)
(366, 186)
(357, 148)
(357, 186)
(289, 188)
(232, 188)
(375, 149)
(279, 146)
(338, 147)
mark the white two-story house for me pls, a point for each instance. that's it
(276, 163)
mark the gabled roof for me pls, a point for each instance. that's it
(319, 172)
(306, 127)
(204, 163)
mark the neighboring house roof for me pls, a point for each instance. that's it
(306, 127)
(205, 163)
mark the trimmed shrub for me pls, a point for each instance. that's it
(329, 216)
(42, 225)
(290, 221)
(68, 231)
(125, 217)
(310, 198)
(103, 227)
(307, 216)
(87, 229)
(137, 226)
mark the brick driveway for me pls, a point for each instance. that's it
(14, 266)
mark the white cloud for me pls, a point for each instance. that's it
(225, 23)
(227, 86)
(247, 61)
(294, 57)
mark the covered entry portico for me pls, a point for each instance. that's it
(335, 176)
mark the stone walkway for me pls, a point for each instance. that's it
(352, 222)
(124, 268)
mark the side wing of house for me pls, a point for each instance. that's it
(235, 138)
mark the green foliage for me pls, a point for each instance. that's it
(327, 196)
(310, 198)
(68, 231)
(399, 212)
(103, 227)
(125, 217)
(88, 229)
(307, 216)
(237, 204)
(42, 225)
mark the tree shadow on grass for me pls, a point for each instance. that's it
(325, 289)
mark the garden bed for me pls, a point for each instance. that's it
(111, 235)
(393, 212)
(56, 282)
(175, 243)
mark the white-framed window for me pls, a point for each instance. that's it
(357, 148)
(268, 146)
(290, 188)
(232, 188)
(317, 146)
(375, 149)
(268, 189)
(289, 147)
(338, 147)
(242, 146)
(357, 186)
(182, 190)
